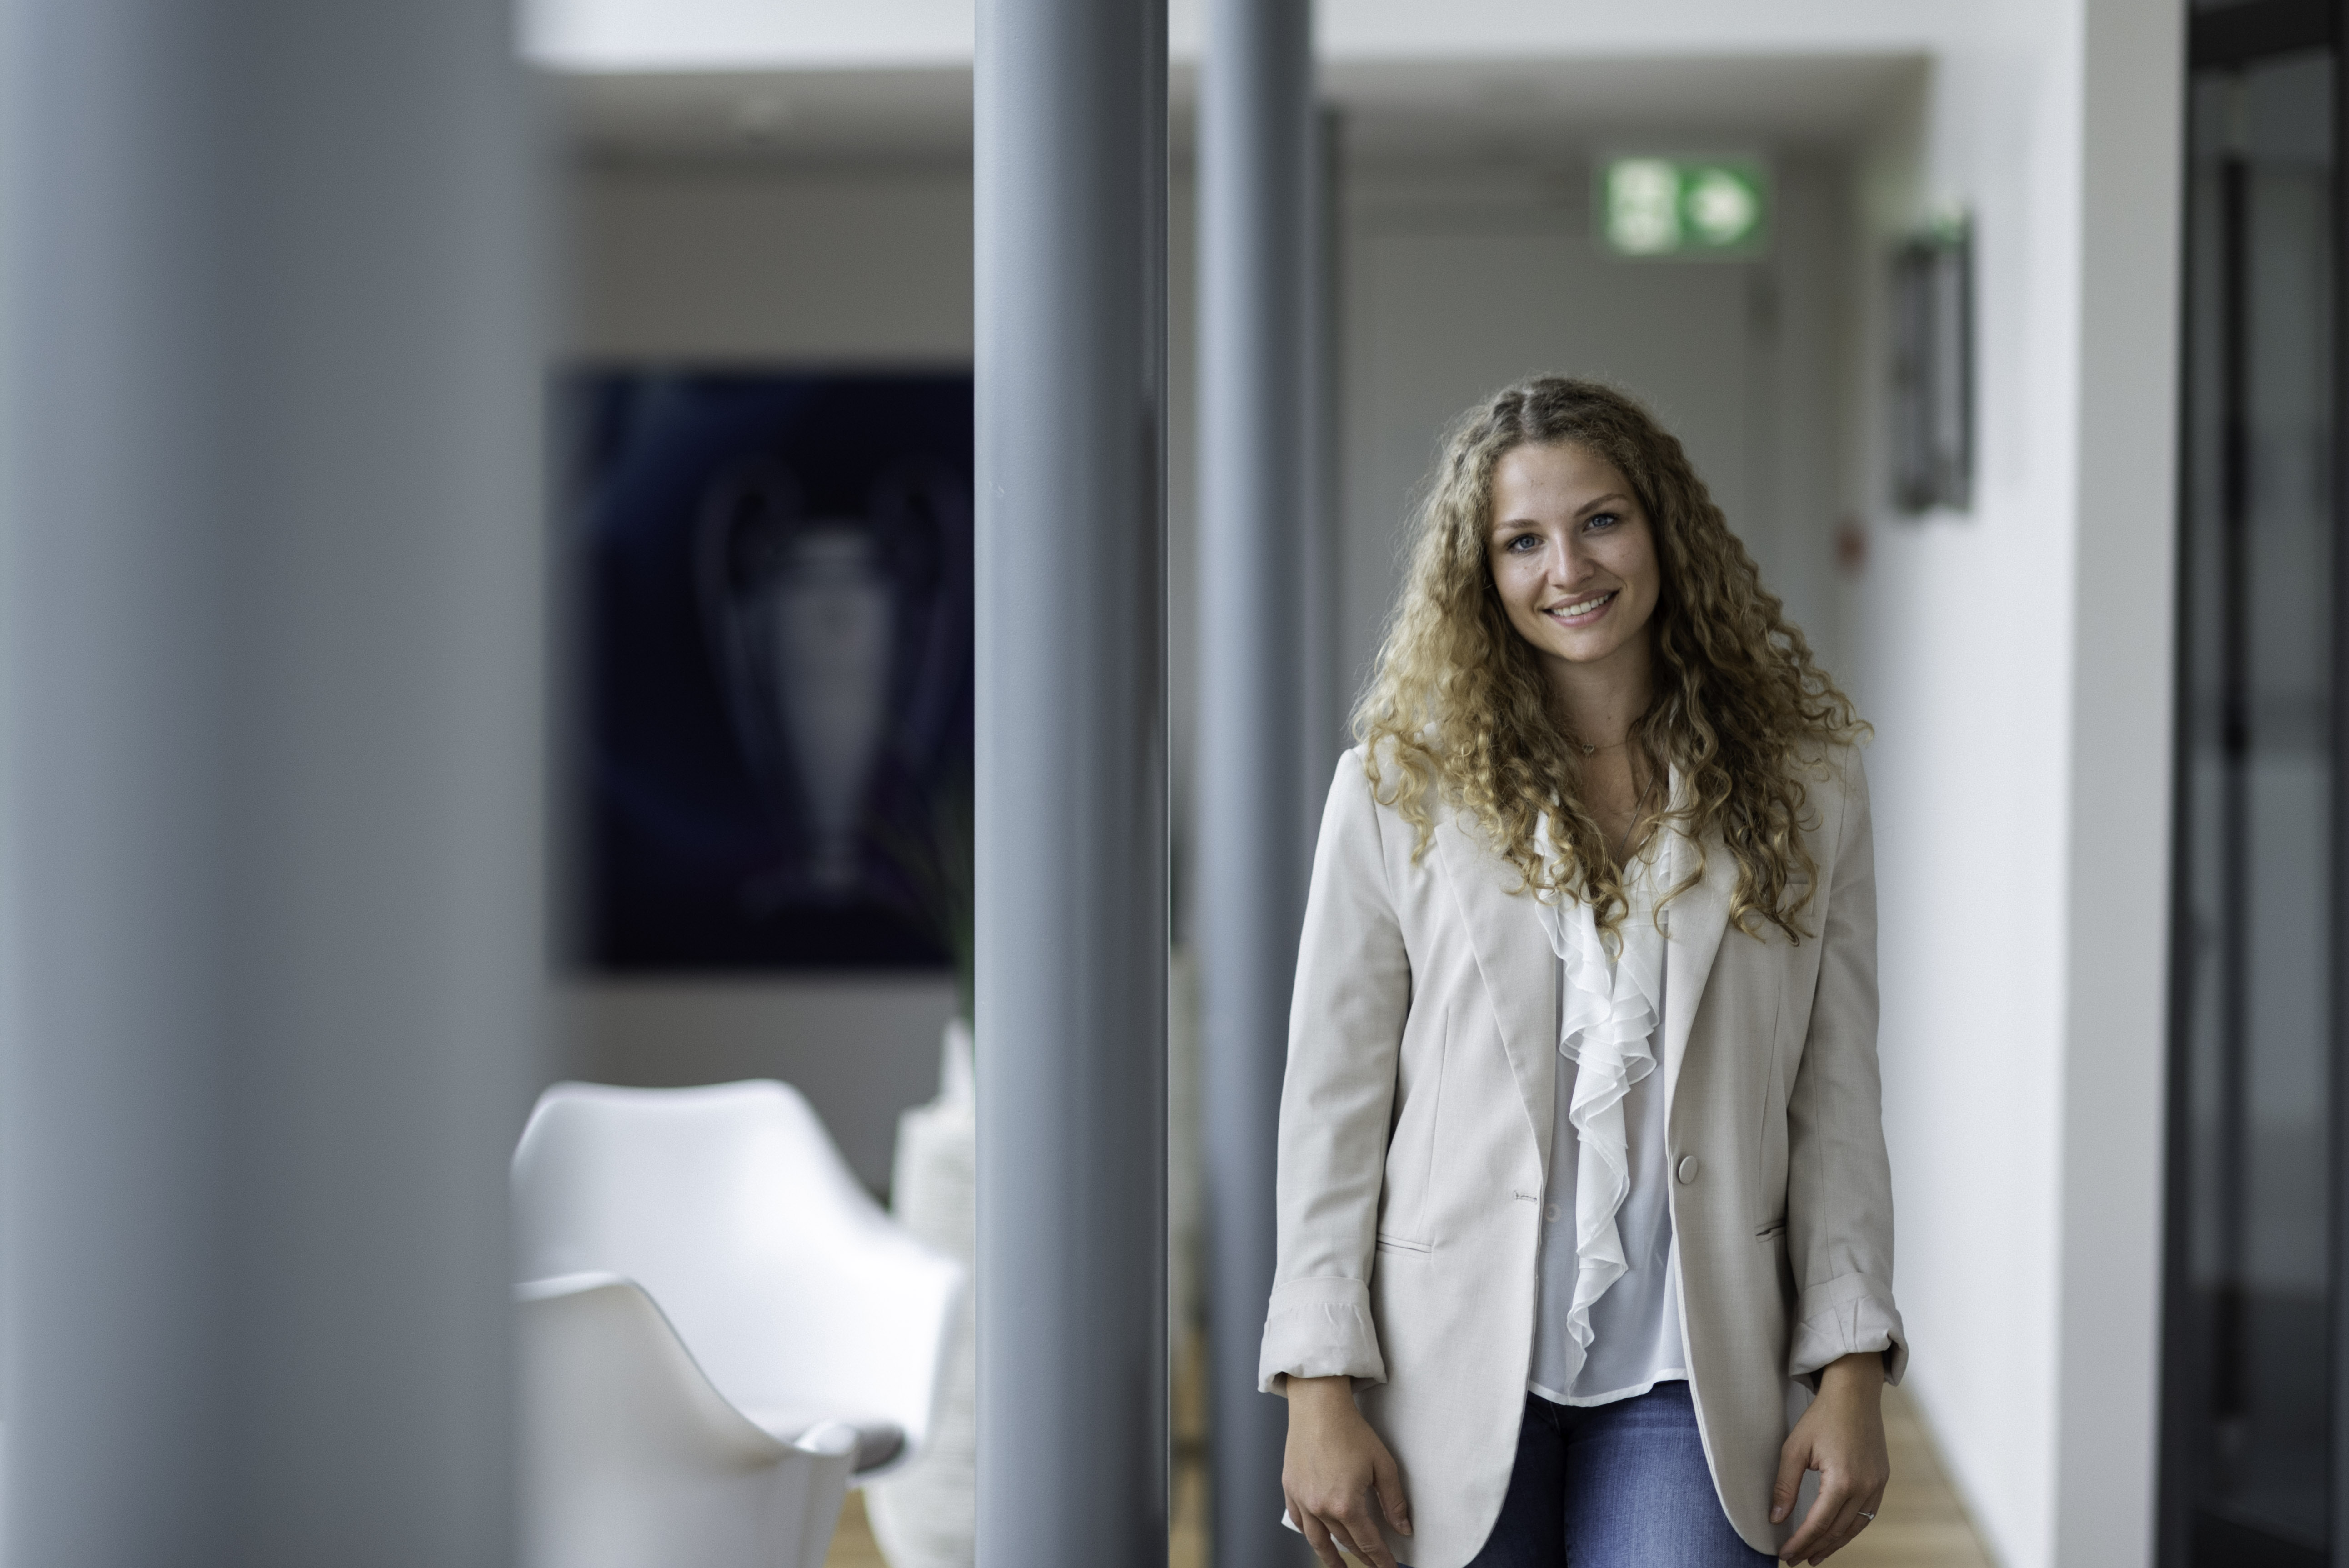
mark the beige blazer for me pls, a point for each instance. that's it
(1414, 1146)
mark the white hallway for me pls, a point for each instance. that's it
(2014, 658)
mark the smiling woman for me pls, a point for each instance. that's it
(1568, 542)
(1478, 701)
(1585, 1223)
(1574, 565)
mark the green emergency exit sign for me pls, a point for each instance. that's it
(1686, 207)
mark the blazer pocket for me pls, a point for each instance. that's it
(1782, 1255)
(1393, 1243)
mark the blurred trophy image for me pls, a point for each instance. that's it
(778, 723)
(833, 642)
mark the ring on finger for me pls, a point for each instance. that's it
(1865, 1514)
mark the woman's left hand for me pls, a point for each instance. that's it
(1841, 1435)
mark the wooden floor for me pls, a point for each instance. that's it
(1920, 1524)
(851, 1543)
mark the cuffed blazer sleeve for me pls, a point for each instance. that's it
(1345, 1028)
(1839, 1180)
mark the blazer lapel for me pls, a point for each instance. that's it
(1520, 971)
(1695, 924)
(1514, 957)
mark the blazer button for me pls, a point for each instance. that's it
(1686, 1170)
(1551, 1213)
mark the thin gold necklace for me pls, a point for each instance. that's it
(1628, 828)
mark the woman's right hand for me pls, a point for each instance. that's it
(1337, 1477)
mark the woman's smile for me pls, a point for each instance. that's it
(1582, 610)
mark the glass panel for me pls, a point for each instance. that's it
(2255, 890)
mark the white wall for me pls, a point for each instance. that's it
(1964, 627)
(861, 1049)
(756, 262)
(2016, 661)
(760, 265)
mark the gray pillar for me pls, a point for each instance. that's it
(1326, 690)
(1071, 114)
(272, 791)
(1256, 441)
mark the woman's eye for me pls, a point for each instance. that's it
(1602, 520)
(1524, 544)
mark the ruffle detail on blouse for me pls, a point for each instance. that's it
(1611, 1006)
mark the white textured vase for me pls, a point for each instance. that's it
(925, 1515)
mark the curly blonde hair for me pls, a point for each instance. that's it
(1459, 711)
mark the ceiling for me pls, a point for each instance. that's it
(1392, 111)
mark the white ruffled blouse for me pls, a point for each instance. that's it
(1609, 1324)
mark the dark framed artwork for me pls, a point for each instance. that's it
(774, 735)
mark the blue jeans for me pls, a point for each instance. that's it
(1614, 1486)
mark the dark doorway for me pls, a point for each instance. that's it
(2249, 1458)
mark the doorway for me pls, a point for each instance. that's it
(2250, 1463)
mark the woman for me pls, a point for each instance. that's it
(1584, 1222)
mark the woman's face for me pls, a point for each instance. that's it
(1572, 555)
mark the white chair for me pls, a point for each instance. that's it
(723, 1219)
(631, 1459)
